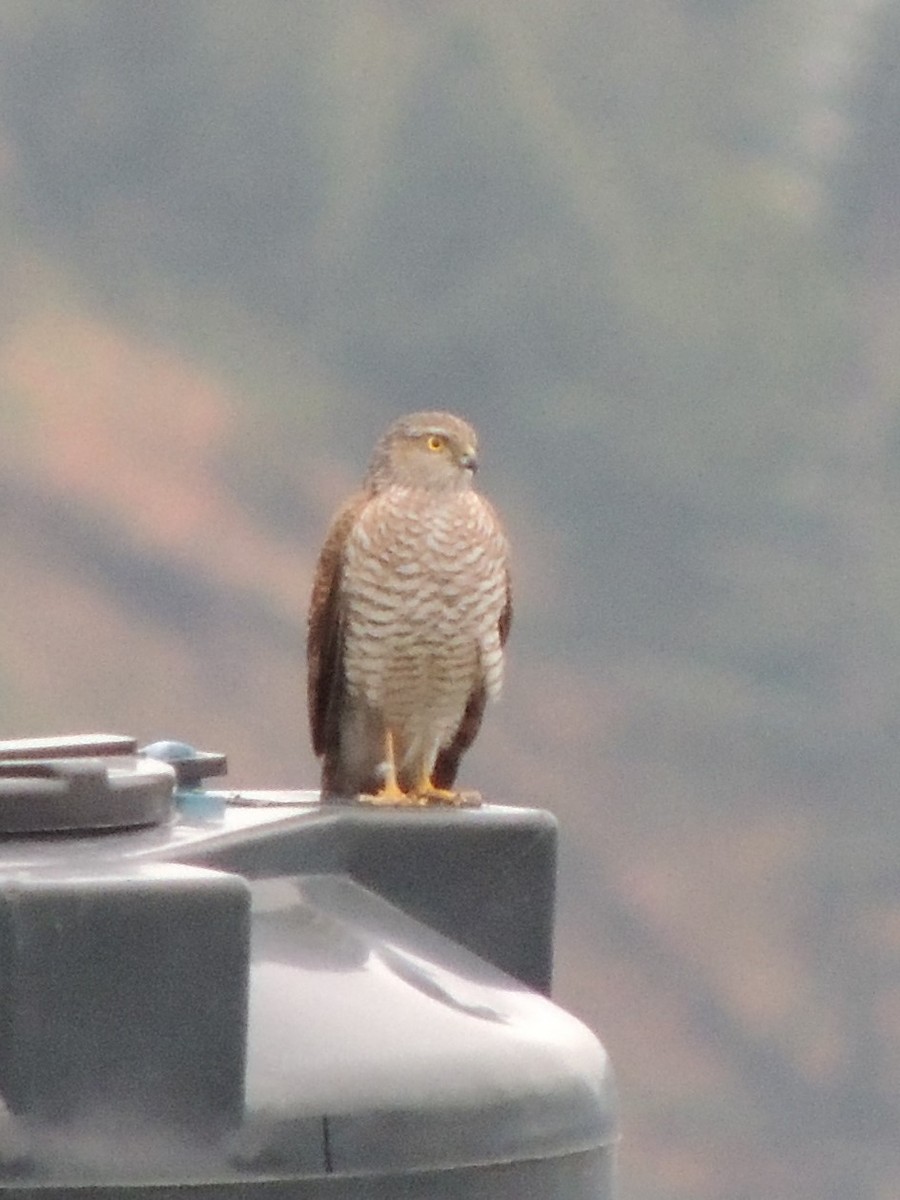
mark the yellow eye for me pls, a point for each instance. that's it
(435, 442)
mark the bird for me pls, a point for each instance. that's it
(410, 610)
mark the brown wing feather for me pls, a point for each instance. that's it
(447, 763)
(505, 623)
(324, 638)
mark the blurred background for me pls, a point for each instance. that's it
(652, 250)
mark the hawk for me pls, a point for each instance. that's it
(409, 614)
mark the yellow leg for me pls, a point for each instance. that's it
(390, 793)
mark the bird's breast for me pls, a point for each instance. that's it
(424, 583)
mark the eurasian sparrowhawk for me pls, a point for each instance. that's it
(410, 611)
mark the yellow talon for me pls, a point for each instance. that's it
(425, 793)
(387, 797)
(390, 794)
(428, 793)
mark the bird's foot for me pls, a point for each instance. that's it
(389, 796)
(430, 797)
(436, 796)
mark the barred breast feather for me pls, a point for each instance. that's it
(423, 597)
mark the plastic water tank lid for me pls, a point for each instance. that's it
(55, 795)
(68, 745)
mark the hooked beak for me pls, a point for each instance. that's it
(468, 461)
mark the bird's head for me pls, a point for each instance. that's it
(432, 450)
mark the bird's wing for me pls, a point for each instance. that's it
(505, 623)
(447, 763)
(325, 636)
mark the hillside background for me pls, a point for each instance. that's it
(652, 250)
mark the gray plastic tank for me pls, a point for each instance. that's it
(220, 994)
